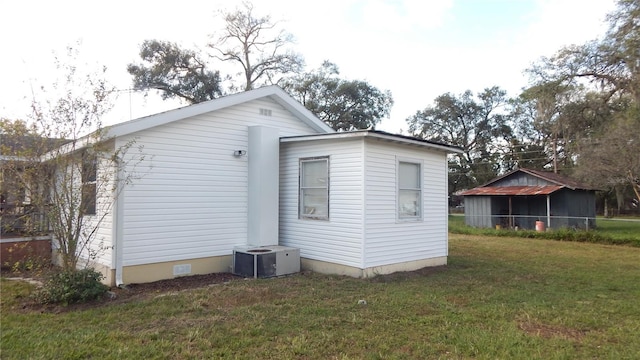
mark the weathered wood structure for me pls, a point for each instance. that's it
(524, 196)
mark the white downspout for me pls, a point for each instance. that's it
(117, 223)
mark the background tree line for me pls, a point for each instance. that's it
(579, 114)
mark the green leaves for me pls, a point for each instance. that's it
(71, 286)
(587, 97)
(474, 123)
(342, 104)
(175, 72)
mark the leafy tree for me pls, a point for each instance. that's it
(175, 72)
(552, 113)
(612, 158)
(63, 161)
(257, 45)
(342, 104)
(601, 83)
(622, 44)
(477, 124)
(610, 65)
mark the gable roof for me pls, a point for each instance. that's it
(513, 190)
(273, 92)
(376, 134)
(560, 182)
(557, 179)
(549, 176)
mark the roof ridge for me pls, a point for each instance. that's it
(549, 176)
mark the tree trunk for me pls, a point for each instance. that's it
(619, 197)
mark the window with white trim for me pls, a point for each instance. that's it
(409, 190)
(89, 179)
(314, 188)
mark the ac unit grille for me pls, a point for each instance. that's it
(262, 262)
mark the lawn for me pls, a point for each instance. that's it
(499, 298)
(608, 231)
(620, 228)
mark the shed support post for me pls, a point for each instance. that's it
(548, 211)
(510, 214)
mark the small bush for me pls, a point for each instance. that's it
(68, 287)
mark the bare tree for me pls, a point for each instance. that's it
(257, 45)
(70, 170)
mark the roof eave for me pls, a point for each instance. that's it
(273, 92)
(374, 135)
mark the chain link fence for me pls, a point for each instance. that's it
(531, 222)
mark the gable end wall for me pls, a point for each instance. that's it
(191, 200)
(521, 179)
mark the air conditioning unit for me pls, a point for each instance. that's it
(265, 261)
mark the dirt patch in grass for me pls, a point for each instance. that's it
(547, 331)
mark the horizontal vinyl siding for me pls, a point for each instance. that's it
(103, 244)
(191, 198)
(389, 240)
(338, 240)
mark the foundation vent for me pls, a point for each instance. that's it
(182, 269)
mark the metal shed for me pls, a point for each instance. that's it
(523, 197)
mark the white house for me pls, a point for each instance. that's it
(258, 169)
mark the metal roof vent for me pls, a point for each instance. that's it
(265, 112)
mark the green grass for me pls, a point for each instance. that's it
(499, 298)
(619, 228)
(607, 232)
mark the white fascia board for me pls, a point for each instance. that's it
(332, 136)
(412, 141)
(71, 147)
(274, 92)
(12, 158)
(375, 135)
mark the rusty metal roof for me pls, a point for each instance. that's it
(513, 190)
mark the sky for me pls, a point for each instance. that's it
(417, 49)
